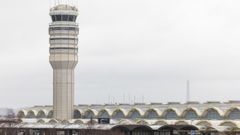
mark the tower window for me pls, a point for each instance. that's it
(63, 28)
(63, 41)
(70, 18)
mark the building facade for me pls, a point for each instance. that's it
(213, 115)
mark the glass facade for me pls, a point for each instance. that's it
(234, 114)
(171, 115)
(50, 114)
(30, 114)
(104, 114)
(135, 114)
(213, 115)
(71, 18)
(41, 114)
(89, 115)
(77, 114)
(64, 28)
(118, 115)
(191, 115)
(152, 114)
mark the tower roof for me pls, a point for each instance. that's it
(64, 7)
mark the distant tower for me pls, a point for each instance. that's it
(63, 57)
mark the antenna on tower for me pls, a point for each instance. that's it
(188, 91)
(123, 98)
(129, 99)
(108, 99)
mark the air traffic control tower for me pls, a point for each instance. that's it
(63, 57)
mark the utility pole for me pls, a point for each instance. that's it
(188, 91)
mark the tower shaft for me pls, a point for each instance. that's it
(63, 89)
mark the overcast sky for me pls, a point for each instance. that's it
(127, 49)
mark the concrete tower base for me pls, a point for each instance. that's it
(63, 93)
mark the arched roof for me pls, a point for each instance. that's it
(22, 112)
(77, 113)
(229, 124)
(181, 122)
(30, 112)
(119, 110)
(50, 114)
(46, 111)
(53, 121)
(133, 110)
(197, 111)
(223, 109)
(159, 113)
(104, 110)
(42, 121)
(33, 111)
(126, 122)
(120, 128)
(204, 123)
(226, 114)
(42, 111)
(178, 127)
(79, 110)
(78, 122)
(142, 122)
(91, 110)
(220, 112)
(161, 122)
(171, 109)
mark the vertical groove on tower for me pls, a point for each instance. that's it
(63, 57)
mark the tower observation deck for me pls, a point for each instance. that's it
(63, 58)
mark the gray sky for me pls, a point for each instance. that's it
(127, 48)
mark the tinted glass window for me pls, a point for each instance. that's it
(234, 114)
(50, 114)
(104, 114)
(63, 39)
(152, 115)
(171, 115)
(63, 28)
(77, 114)
(89, 114)
(135, 115)
(191, 115)
(71, 18)
(213, 115)
(118, 115)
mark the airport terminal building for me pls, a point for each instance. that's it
(65, 118)
(209, 116)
